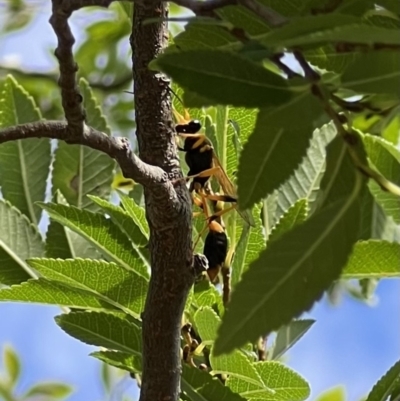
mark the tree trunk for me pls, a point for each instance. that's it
(169, 217)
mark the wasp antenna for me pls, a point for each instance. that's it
(176, 95)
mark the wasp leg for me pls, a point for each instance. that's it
(221, 212)
(202, 204)
(222, 198)
(205, 173)
(226, 284)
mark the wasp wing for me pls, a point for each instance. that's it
(229, 189)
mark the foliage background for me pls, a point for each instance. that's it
(351, 345)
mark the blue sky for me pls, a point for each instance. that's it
(352, 344)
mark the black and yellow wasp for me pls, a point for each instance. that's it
(204, 164)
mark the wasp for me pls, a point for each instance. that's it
(203, 163)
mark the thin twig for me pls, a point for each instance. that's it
(347, 136)
(116, 147)
(70, 94)
(226, 284)
(309, 73)
(276, 58)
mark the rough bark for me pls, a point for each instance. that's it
(169, 217)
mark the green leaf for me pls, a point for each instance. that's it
(136, 212)
(198, 35)
(391, 132)
(323, 29)
(373, 259)
(242, 18)
(99, 56)
(301, 27)
(123, 220)
(206, 324)
(235, 364)
(24, 164)
(201, 35)
(12, 364)
(386, 158)
(388, 201)
(201, 386)
(221, 133)
(205, 294)
(63, 243)
(386, 384)
(305, 181)
(285, 384)
(327, 58)
(19, 240)
(384, 155)
(53, 390)
(106, 376)
(374, 72)
(337, 393)
(251, 243)
(17, 15)
(115, 285)
(319, 249)
(225, 78)
(289, 334)
(46, 292)
(375, 223)
(100, 232)
(79, 170)
(356, 7)
(103, 330)
(391, 5)
(127, 225)
(269, 206)
(262, 169)
(238, 366)
(126, 10)
(295, 215)
(121, 360)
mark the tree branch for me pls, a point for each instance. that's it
(116, 147)
(70, 94)
(348, 135)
